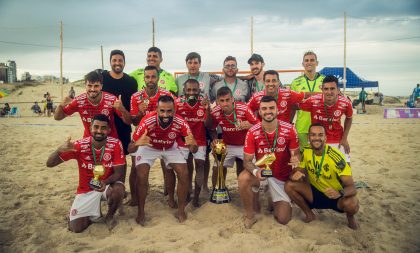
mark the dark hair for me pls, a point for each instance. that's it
(271, 72)
(93, 77)
(101, 117)
(166, 99)
(191, 80)
(193, 55)
(267, 99)
(229, 58)
(156, 50)
(329, 79)
(116, 52)
(152, 68)
(223, 91)
(314, 125)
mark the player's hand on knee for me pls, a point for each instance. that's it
(332, 193)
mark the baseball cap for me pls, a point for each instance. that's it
(255, 57)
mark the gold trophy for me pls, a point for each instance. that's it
(98, 171)
(220, 193)
(266, 161)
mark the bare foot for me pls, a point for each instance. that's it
(248, 222)
(352, 223)
(309, 217)
(182, 216)
(172, 203)
(141, 220)
(111, 222)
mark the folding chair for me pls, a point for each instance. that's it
(14, 112)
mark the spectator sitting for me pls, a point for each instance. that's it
(36, 109)
(5, 110)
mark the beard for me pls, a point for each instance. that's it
(321, 145)
(99, 137)
(269, 120)
(192, 100)
(165, 124)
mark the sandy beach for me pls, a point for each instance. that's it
(36, 199)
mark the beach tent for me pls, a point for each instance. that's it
(353, 81)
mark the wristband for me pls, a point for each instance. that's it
(254, 172)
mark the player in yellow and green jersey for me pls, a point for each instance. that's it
(166, 80)
(323, 179)
(310, 81)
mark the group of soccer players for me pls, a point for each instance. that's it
(178, 120)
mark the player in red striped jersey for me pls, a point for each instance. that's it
(328, 108)
(271, 136)
(142, 103)
(93, 101)
(194, 110)
(234, 118)
(154, 138)
(96, 150)
(285, 98)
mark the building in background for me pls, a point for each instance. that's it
(3, 73)
(26, 77)
(12, 72)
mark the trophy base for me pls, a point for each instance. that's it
(220, 196)
(95, 184)
(266, 173)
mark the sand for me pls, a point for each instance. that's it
(36, 199)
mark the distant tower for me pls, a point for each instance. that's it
(12, 73)
(3, 73)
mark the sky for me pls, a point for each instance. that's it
(383, 37)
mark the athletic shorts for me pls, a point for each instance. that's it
(199, 155)
(233, 152)
(88, 204)
(320, 201)
(335, 145)
(148, 155)
(277, 192)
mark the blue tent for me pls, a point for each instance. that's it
(353, 81)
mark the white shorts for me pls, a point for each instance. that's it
(277, 192)
(148, 155)
(233, 152)
(199, 155)
(335, 145)
(87, 204)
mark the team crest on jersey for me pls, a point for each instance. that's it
(162, 81)
(107, 156)
(73, 212)
(281, 140)
(217, 114)
(238, 92)
(172, 135)
(337, 113)
(138, 158)
(201, 85)
(105, 112)
(200, 113)
(283, 103)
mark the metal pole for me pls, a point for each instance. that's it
(102, 56)
(61, 59)
(252, 35)
(153, 31)
(345, 54)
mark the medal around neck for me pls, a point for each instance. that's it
(220, 193)
(98, 171)
(266, 161)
